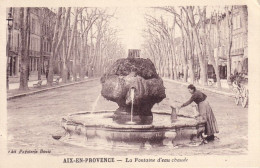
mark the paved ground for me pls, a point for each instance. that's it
(33, 119)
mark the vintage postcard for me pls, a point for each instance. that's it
(130, 83)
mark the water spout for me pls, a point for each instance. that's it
(132, 94)
(95, 104)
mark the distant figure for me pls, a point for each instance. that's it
(68, 75)
(214, 78)
(28, 74)
(204, 110)
(235, 72)
(47, 73)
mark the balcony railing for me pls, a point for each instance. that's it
(14, 48)
(34, 53)
(45, 53)
(239, 51)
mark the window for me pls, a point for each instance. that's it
(31, 43)
(238, 43)
(18, 45)
(235, 47)
(39, 44)
(241, 42)
(16, 18)
(47, 29)
(236, 22)
(234, 43)
(16, 41)
(33, 26)
(50, 48)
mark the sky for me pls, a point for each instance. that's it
(130, 23)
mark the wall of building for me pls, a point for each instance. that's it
(35, 42)
(240, 38)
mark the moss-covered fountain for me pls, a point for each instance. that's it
(135, 86)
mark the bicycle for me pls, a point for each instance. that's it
(241, 94)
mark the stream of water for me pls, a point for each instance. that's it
(94, 105)
(132, 94)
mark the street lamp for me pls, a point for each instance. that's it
(10, 25)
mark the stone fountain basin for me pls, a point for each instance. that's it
(100, 126)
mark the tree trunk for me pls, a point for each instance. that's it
(230, 36)
(229, 61)
(82, 51)
(184, 57)
(24, 26)
(215, 66)
(185, 75)
(191, 72)
(201, 59)
(54, 45)
(64, 69)
(74, 65)
(191, 62)
(214, 63)
(71, 46)
(40, 64)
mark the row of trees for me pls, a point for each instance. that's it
(82, 42)
(196, 28)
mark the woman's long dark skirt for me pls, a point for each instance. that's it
(208, 115)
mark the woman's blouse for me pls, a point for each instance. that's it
(197, 97)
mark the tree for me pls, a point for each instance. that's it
(100, 26)
(186, 22)
(215, 20)
(86, 23)
(229, 15)
(44, 15)
(199, 43)
(57, 41)
(70, 55)
(24, 43)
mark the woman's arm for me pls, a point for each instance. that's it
(188, 102)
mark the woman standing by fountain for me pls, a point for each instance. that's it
(204, 110)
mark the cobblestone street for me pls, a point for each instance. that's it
(33, 119)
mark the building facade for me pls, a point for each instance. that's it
(239, 50)
(239, 47)
(35, 36)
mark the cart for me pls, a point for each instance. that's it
(240, 87)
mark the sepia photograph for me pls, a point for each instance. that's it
(119, 84)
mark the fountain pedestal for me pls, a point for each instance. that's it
(102, 131)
